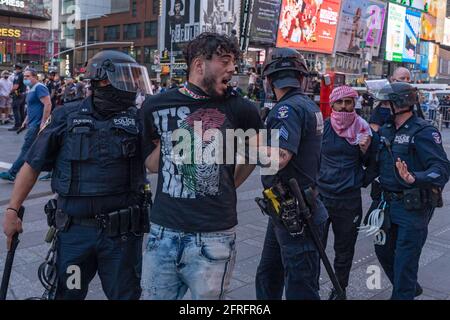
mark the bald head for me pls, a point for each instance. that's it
(401, 75)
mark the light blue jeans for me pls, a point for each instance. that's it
(175, 261)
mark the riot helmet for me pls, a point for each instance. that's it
(401, 94)
(122, 71)
(284, 68)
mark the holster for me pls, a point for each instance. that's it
(279, 204)
(375, 191)
(413, 199)
(50, 211)
(436, 198)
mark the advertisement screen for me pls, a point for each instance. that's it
(424, 52)
(432, 7)
(395, 33)
(428, 29)
(433, 59)
(220, 16)
(446, 39)
(31, 8)
(441, 7)
(412, 30)
(361, 26)
(308, 25)
(417, 4)
(265, 21)
(182, 24)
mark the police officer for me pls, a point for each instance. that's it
(413, 169)
(18, 93)
(93, 147)
(288, 262)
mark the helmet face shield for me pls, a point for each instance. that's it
(386, 94)
(129, 77)
(401, 94)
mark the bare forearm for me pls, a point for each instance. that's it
(25, 180)
(47, 110)
(241, 173)
(152, 161)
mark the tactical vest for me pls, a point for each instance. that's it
(99, 157)
(402, 146)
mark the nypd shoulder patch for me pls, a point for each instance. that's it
(437, 137)
(283, 112)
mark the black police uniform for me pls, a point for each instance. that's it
(288, 262)
(18, 103)
(410, 207)
(97, 170)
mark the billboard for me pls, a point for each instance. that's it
(40, 9)
(433, 59)
(308, 25)
(361, 26)
(220, 16)
(424, 52)
(395, 32)
(411, 39)
(182, 24)
(416, 4)
(441, 7)
(428, 27)
(446, 39)
(264, 24)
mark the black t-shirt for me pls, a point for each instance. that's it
(18, 79)
(200, 196)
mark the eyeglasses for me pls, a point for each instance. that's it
(347, 102)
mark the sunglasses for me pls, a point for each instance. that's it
(347, 102)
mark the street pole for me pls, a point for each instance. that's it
(86, 38)
(171, 54)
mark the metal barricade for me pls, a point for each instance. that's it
(445, 117)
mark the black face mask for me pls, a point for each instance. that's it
(109, 100)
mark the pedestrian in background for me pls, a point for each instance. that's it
(5, 91)
(39, 107)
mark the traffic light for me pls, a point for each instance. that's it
(46, 65)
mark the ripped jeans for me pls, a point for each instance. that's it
(175, 261)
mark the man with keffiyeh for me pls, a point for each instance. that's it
(346, 146)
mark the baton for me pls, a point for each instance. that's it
(315, 235)
(10, 259)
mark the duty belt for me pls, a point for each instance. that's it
(118, 222)
(393, 196)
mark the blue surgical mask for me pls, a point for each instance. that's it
(27, 82)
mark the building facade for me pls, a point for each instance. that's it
(28, 33)
(130, 26)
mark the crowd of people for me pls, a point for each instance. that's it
(100, 147)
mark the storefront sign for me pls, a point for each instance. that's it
(13, 3)
(10, 33)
